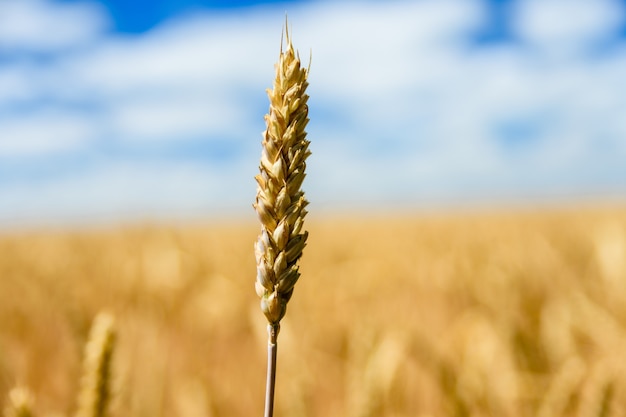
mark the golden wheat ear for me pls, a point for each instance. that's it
(20, 403)
(280, 202)
(95, 389)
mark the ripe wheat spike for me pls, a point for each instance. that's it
(280, 202)
(95, 390)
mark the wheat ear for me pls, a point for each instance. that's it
(20, 403)
(280, 203)
(95, 391)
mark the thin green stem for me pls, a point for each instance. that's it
(272, 348)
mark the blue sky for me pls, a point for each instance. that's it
(153, 109)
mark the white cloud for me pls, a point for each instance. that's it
(199, 51)
(369, 49)
(15, 85)
(44, 133)
(131, 190)
(189, 78)
(39, 25)
(567, 25)
(175, 117)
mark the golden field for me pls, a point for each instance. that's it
(492, 314)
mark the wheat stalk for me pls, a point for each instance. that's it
(95, 392)
(280, 202)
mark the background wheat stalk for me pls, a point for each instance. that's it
(280, 203)
(95, 391)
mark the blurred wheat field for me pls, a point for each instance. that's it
(511, 314)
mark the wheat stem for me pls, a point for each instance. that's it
(272, 349)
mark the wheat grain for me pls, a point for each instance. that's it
(280, 203)
(95, 392)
